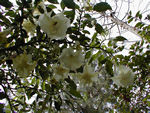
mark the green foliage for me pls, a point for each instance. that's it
(119, 38)
(109, 66)
(94, 57)
(102, 7)
(53, 1)
(6, 3)
(90, 33)
(70, 14)
(2, 95)
(71, 83)
(36, 2)
(5, 20)
(99, 28)
(75, 93)
(138, 15)
(69, 4)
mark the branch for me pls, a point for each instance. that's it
(124, 25)
(7, 97)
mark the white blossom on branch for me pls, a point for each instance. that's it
(88, 76)
(56, 26)
(124, 76)
(60, 71)
(71, 59)
(29, 26)
(23, 64)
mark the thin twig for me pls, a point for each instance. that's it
(7, 97)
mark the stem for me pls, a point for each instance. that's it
(7, 97)
(124, 25)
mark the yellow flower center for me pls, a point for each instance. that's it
(60, 70)
(86, 77)
(55, 23)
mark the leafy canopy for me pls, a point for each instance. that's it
(52, 68)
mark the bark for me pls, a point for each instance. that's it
(124, 25)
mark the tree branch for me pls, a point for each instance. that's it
(7, 97)
(124, 25)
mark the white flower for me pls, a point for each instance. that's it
(71, 59)
(36, 12)
(60, 71)
(23, 64)
(88, 76)
(28, 26)
(124, 76)
(55, 26)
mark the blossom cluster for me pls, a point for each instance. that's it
(70, 59)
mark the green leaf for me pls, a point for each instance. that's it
(109, 50)
(109, 69)
(101, 59)
(11, 13)
(137, 14)
(4, 19)
(68, 102)
(99, 28)
(130, 20)
(47, 87)
(36, 2)
(29, 1)
(43, 85)
(40, 9)
(88, 54)
(52, 6)
(30, 93)
(74, 37)
(2, 95)
(139, 24)
(33, 81)
(87, 16)
(86, 32)
(119, 56)
(53, 1)
(95, 56)
(1, 106)
(62, 5)
(87, 23)
(110, 43)
(70, 14)
(69, 4)
(57, 105)
(102, 6)
(84, 39)
(120, 38)
(75, 93)
(44, 73)
(72, 85)
(6, 3)
(94, 39)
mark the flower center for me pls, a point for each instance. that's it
(86, 78)
(60, 70)
(55, 23)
